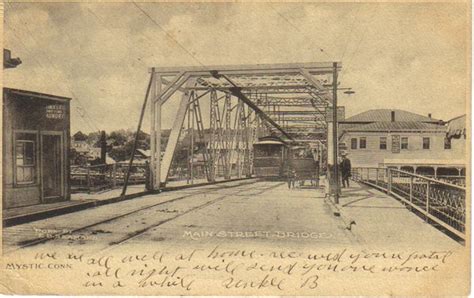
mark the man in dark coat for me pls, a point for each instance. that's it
(345, 167)
(291, 177)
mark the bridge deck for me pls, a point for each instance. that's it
(264, 213)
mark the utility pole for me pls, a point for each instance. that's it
(135, 143)
(334, 134)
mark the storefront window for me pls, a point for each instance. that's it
(25, 161)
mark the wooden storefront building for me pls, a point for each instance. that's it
(36, 141)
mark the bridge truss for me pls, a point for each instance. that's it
(224, 109)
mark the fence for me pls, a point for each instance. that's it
(458, 180)
(437, 201)
(100, 177)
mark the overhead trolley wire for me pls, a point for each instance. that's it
(79, 108)
(167, 34)
(298, 29)
(91, 123)
(350, 32)
(362, 36)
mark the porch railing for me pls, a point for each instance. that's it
(437, 201)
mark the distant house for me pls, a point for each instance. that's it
(404, 140)
(142, 155)
(79, 143)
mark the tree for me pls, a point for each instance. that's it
(77, 158)
(119, 153)
(118, 137)
(93, 137)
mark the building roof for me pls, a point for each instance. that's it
(457, 127)
(381, 115)
(33, 94)
(109, 160)
(388, 126)
(145, 153)
(79, 136)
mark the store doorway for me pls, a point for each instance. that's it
(51, 166)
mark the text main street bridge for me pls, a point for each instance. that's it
(224, 109)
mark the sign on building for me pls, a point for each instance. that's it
(395, 144)
(56, 111)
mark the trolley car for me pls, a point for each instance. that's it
(273, 158)
(270, 154)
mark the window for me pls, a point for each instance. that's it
(25, 161)
(383, 143)
(362, 143)
(447, 143)
(353, 143)
(404, 143)
(426, 143)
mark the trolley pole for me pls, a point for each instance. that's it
(334, 135)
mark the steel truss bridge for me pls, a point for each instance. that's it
(227, 108)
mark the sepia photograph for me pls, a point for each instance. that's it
(244, 148)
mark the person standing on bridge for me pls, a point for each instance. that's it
(345, 167)
(291, 177)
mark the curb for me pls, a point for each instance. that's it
(30, 217)
(337, 211)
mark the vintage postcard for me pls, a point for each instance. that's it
(197, 148)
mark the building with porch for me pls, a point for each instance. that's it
(403, 140)
(36, 142)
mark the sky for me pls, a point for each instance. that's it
(410, 56)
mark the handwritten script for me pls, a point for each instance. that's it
(233, 269)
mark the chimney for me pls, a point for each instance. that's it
(393, 116)
(429, 115)
(103, 147)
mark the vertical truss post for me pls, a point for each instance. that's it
(158, 145)
(247, 142)
(227, 136)
(334, 135)
(253, 138)
(200, 129)
(243, 144)
(155, 132)
(152, 130)
(238, 133)
(236, 138)
(190, 153)
(213, 158)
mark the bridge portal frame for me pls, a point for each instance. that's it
(263, 88)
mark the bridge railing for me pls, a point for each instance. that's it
(107, 176)
(439, 202)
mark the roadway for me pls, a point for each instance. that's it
(258, 213)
